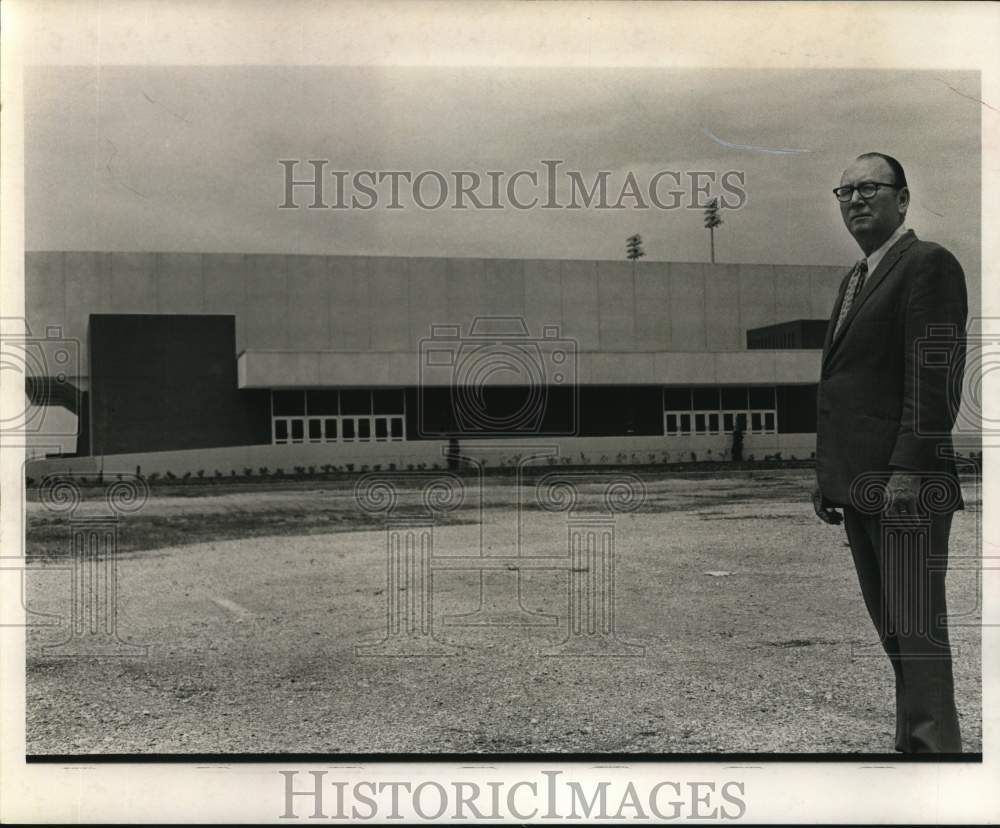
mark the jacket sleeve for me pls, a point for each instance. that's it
(933, 359)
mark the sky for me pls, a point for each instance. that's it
(186, 158)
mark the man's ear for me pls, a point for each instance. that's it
(903, 200)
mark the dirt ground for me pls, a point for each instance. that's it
(738, 627)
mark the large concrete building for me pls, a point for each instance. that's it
(225, 362)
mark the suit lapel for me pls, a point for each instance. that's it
(888, 262)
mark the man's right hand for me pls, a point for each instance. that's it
(827, 514)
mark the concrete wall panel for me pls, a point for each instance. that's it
(349, 307)
(687, 307)
(673, 368)
(267, 302)
(133, 283)
(224, 284)
(543, 294)
(792, 293)
(354, 369)
(619, 369)
(616, 305)
(389, 309)
(466, 292)
(757, 297)
(45, 293)
(428, 280)
(180, 286)
(503, 284)
(722, 308)
(308, 303)
(88, 290)
(652, 306)
(581, 320)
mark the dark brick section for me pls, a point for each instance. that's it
(168, 382)
(800, 334)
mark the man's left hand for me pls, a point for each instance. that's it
(903, 490)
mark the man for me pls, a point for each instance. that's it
(885, 415)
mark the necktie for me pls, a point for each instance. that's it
(853, 289)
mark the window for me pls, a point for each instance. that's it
(328, 415)
(761, 397)
(720, 410)
(322, 401)
(734, 396)
(706, 399)
(288, 403)
(677, 399)
(356, 402)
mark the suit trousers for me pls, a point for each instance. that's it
(901, 564)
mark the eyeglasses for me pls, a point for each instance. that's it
(867, 189)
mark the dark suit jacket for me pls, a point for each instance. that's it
(892, 377)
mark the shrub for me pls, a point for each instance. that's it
(152, 477)
(377, 467)
(392, 467)
(218, 474)
(350, 467)
(263, 471)
(327, 467)
(364, 467)
(247, 471)
(300, 469)
(187, 475)
(409, 466)
(200, 473)
(694, 457)
(436, 466)
(312, 470)
(170, 475)
(30, 481)
(279, 472)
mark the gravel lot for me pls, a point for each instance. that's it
(251, 603)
